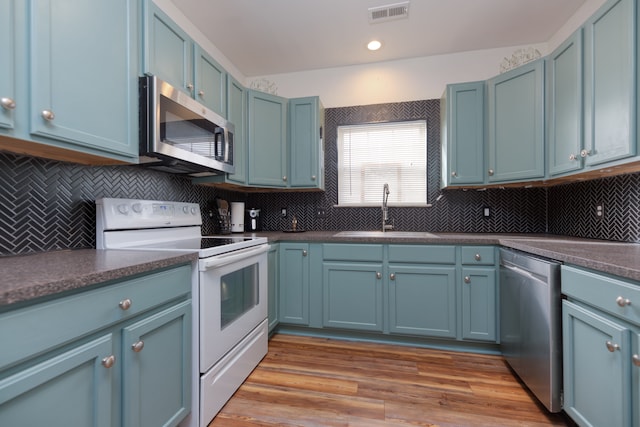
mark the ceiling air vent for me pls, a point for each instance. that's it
(388, 12)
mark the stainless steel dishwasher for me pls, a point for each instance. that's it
(531, 323)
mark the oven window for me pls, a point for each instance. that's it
(238, 293)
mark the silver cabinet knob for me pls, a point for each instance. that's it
(201, 94)
(635, 359)
(190, 87)
(137, 346)
(623, 302)
(108, 361)
(585, 153)
(125, 304)
(490, 172)
(454, 174)
(8, 103)
(313, 177)
(392, 276)
(378, 275)
(612, 347)
(284, 178)
(467, 279)
(48, 115)
(304, 252)
(478, 257)
(573, 157)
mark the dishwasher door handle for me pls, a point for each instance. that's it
(522, 272)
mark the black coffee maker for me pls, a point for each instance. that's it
(252, 220)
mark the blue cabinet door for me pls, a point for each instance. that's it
(422, 300)
(479, 304)
(72, 389)
(210, 82)
(610, 82)
(352, 295)
(83, 74)
(516, 124)
(7, 63)
(273, 269)
(306, 151)
(168, 50)
(597, 381)
(564, 106)
(294, 283)
(237, 114)
(157, 368)
(463, 137)
(267, 139)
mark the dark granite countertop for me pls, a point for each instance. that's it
(617, 258)
(27, 277)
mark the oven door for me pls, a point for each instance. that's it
(233, 300)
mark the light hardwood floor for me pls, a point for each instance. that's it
(322, 382)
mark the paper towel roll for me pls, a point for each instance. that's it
(237, 217)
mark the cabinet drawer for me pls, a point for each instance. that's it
(614, 296)
(31, 330)
(347, 252)
(423, 254)
(478, 255)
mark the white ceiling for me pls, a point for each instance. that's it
(263, 37)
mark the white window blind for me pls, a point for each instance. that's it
(371, 155)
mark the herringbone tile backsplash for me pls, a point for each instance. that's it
(49, 205)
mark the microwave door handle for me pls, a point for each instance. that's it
(231, 257)
(219, 138)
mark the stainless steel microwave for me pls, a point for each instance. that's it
(180, 135)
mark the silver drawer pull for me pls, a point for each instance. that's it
(635, 359)
(137, 346)
(48, 115)
(125, 304)
(622, 302)
(612, 347)
(8, 103)
(378, 275)
(108, 361)
(467, 279)
(304, 252)
(478, 257)
(392, 276)
(585, 153)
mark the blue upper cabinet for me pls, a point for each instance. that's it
(7, 63)
(462, 134)
(564, 106)
(170, 54)
(237, 114)
(92, 104)
(306, 146)
(267, 141)
(210, 82)
(610, 82)
(87, 112)
(516, 124)
(168, 50)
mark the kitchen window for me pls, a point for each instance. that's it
(370, 155)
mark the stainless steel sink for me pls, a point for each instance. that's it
(388, 234)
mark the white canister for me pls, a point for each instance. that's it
(237, 217)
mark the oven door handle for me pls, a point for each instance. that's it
(231, 257)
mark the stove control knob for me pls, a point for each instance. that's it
(137, 207)
(185, 209)
(123, 209)
(194, 211)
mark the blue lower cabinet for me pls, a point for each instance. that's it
(352, 295)
(157, 357)
(422, 300)
(596, 360)
(479, 306)
(273, 270)
(294, 283)
(71, 389)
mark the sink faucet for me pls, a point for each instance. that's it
(385, 208)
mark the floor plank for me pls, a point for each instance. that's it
(305, 381)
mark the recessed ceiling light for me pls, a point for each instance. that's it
(374, 45)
